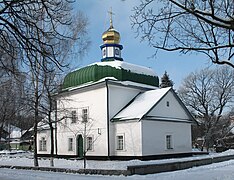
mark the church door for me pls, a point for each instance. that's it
(80, 146)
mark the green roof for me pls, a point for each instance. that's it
(96, 72)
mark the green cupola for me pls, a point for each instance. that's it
(116, 70)
(111, 66)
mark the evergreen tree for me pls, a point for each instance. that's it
(165, 81)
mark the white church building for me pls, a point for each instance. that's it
(115, 110)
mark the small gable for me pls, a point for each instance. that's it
(160, 104)
(169, 108)
(141, 105)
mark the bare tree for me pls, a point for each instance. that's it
(52, 79)
(21, 28)
(207, 94)
(45, 32)
(205, 26)
(34, 97)
(8, 63)
(7, 104)
(51, 85)
(11, 89)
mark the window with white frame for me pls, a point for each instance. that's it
(119, 142)
(42, 144)
(89, 143)
(84, 114)
(169, 142)
(70, 144)
(73, 116)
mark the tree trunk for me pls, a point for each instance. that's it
(1, 130)
(84, 148)
(51, 161)
(35, 143)
(52, 143)
(55, 130)
(84, 160)
(36, 117)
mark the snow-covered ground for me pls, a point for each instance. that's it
(217, 171)
(26, 159)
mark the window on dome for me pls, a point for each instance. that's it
(116, 51)
(110, 51)
(104, 52)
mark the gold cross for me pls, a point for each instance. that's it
(111, 14)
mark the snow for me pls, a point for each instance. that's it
(125, 83)
(15, 132)
(131, 83)
(135, 110)
(12, 152)
(218, 171)
(127, 66)
(91, 83)
(26, 159)
(223, 170)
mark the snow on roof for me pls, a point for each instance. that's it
(127, 66)
(16, 133)
(10, 127)
(91, 83)
(126, 83)
(141, 104)
(44, 123)
(130, 83)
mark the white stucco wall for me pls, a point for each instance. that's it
(131, 130)
(154, 137)
(95, 100)
(44, 134)
(119, 97)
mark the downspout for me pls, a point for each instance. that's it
(108, 122)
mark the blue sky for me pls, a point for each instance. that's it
(134, 51)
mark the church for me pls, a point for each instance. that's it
(115, 110)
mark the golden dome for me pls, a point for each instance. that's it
(111, 36)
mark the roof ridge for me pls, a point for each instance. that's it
(137, 101)
(127, 104)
